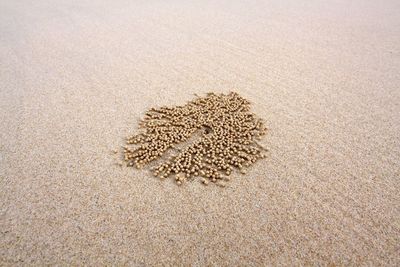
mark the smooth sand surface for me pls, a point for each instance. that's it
(76, 76)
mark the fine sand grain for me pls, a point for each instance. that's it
(76, 76)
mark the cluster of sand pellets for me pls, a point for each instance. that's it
(226, 139)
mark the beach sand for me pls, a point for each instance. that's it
(76, 77)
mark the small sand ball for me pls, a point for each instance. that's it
(226, 133)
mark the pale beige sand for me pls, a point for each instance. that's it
(76, 76)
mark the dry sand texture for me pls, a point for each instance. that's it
(75, 76)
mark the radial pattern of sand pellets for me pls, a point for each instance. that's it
(226, 133)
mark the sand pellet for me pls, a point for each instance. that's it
(227, 133)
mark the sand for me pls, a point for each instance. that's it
(76, 76)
